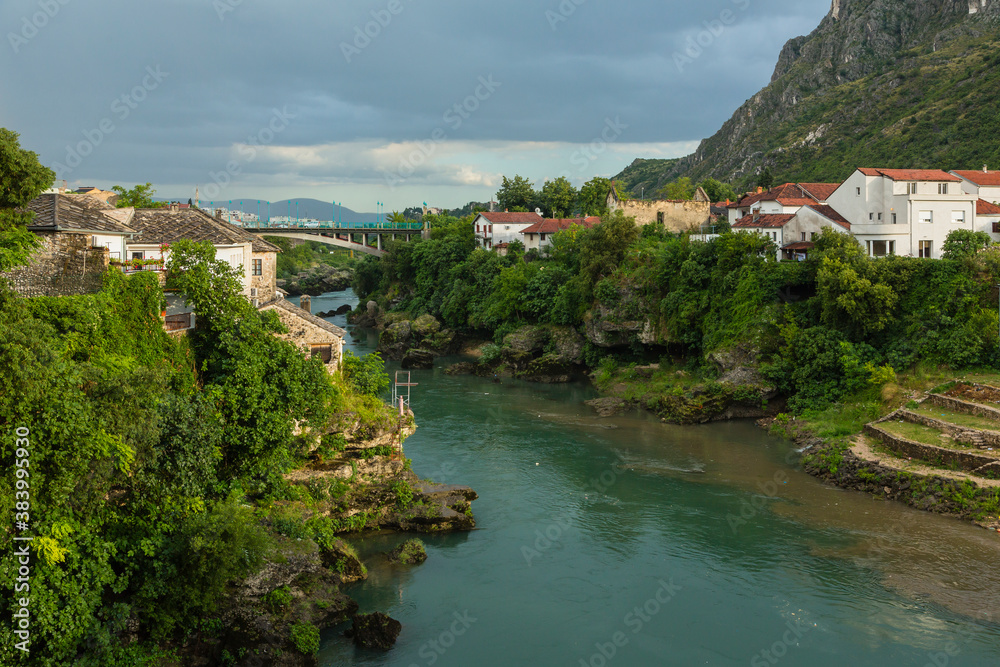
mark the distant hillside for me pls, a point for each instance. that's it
(644, 177)
(884, 83)
(319, 210)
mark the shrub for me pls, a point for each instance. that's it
(305, 638)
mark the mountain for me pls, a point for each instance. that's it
(887, 83)
(319, 210)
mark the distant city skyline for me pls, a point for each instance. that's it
(396, 102)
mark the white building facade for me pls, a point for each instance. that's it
(904, 211)
(492, 229)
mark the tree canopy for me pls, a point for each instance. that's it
(141, 196)
(22, 178)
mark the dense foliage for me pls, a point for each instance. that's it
(820, 329)
(295, 258)
(144, 451)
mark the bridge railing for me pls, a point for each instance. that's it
(351, 226)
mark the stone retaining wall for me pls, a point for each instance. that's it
(969, 408)
(973, 437)
(906, 447)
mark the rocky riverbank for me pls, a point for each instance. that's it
(317, 280)
(357, 480)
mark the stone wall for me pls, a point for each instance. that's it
(973, 437)
(678, 216)
(265, 284)
(64, 265)
(305, 335)
(967, 407)
(906, 447)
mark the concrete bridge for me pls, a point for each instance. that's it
(366, 237)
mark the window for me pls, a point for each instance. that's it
(812, 236)
(324, 352)
(881, 248)
(894, 218)
(958, 217)
(138, 254)
(803, 236)
(942, 188)
(659, 217)
(880, 217)
(258, 267)
(858, 191)
(927, 217)
(542, 236)
(871, 216)
(924, 249)
(912, 189)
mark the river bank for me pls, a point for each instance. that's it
(580, 517)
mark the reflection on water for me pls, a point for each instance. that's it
(581, 521)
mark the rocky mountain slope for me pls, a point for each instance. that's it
(880, 82)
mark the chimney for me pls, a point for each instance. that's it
(760, 189)
(218, 214)
(985, 170)
(174, 207)
(305, 303)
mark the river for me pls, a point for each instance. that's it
(627, 541)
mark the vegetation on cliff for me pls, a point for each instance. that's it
(816, 330)
(879, 83)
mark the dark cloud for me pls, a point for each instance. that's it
(562, 69)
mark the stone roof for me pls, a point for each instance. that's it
(308, 317)
(165, 225)
(77, 213)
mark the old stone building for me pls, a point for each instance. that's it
(313, 335)
(676, 215)
(160, 227)
(78, 237)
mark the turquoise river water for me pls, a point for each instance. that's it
(626, 541)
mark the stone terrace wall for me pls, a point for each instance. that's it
(65, 265)
(970, 436)
(906, 447)
(967, 407)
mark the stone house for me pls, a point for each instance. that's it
(494, 229)
(78, 238)
(904, 211)
(313, 335)
(158, 228)
(676, 215)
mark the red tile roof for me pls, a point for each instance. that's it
(791, 194)
(981, 178)
(515, 218)
(801, 245)
(821, 191)
(984, 207)
(828, 212)
(553, 225)
(772, 220)
(911, 174)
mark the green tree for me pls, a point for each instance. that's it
(516, 194)
(141, 196)
(396, 218)
(963, 243)
(765, 179)
(22, 178)
(717, 191)
(593, 199)
(681, 189)
(558, 197)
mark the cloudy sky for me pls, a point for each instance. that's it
(398, 101)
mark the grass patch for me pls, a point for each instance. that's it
(957, 418)
(918, 433)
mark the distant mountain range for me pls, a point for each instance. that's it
(313, 209)
(880, 83)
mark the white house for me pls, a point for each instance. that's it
(782, 199)
(492, 229)
(539, 235)
(988, 219)
(904, 211)
(983, 184)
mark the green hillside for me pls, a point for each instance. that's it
(885, 83)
